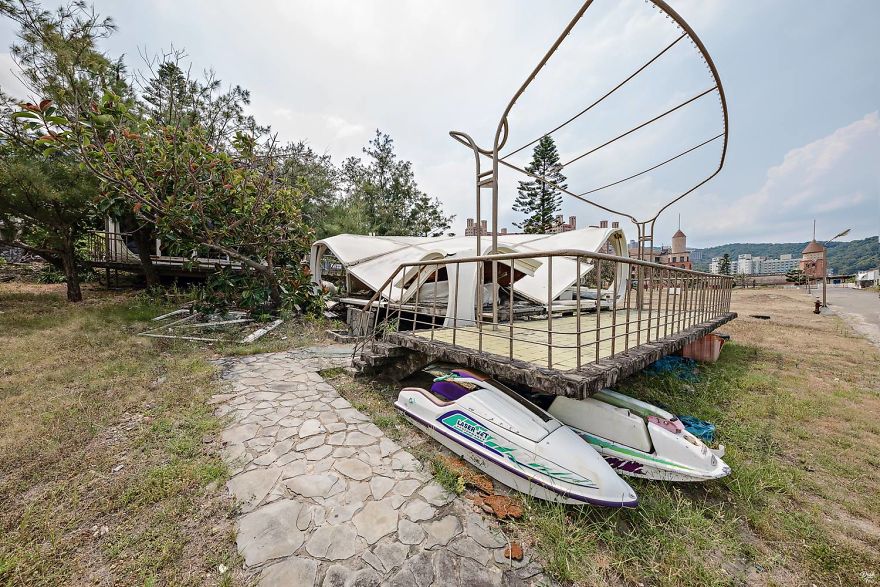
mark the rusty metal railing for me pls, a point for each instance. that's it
(112, 248)
(108, 246)
(614, 304)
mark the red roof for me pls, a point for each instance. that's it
(678, 233)
(813, 247)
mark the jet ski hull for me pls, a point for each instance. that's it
(635, 463)
(514, 465)
(622, 431)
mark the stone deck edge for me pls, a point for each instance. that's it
(575, 383)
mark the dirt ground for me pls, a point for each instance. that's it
(830, 378)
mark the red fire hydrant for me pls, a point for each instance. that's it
(818, 305)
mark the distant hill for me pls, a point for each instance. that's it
(843, 257)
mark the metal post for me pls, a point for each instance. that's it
(615, 283)
(598, 270)
(577, 304)
(455, 302)
(434, 305)
(550, 312)
(510, 315)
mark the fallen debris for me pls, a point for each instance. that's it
(233, 326)
(468, 475)
(514, 551)
(500, 506)
(261, 332)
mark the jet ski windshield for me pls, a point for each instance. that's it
(458, 383)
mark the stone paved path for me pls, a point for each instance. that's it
(327, 499)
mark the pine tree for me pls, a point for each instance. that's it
(725, 265)
(384, 188)
(539, 201)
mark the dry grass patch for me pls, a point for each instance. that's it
(109, 471)
(797, 405)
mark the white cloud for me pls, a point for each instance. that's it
(8, 80)
(835, 179)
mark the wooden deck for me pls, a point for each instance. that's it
(549, 356)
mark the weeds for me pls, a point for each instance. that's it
(108, 455)
(787, 414)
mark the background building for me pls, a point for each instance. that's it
(748, 264)
(473, 229)
(812, 262)
(677, 255)
(562, 226)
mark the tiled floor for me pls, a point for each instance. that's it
(533, 338)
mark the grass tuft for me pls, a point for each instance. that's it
(108, 451)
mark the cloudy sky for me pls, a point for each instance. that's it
(801, 81)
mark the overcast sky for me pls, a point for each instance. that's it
(802, 81)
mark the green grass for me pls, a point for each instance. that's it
(719, 533)
(108, 461)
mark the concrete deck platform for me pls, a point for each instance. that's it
(560, 371)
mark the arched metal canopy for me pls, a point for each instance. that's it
(645, 226)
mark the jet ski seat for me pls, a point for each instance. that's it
(604, 420)
(428, 395)
(479, 376)
(450, 390)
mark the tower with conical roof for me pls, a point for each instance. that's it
(679, 240)
(678, 255)
(813, 257)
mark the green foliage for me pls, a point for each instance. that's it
(227, 290)
(385, 196)
(228, 201)
(45, 207)
(317, 179)
(58, 54)
(796, 276)
(724, 267)
(539, 201)
(448, 479)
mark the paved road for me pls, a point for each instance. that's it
(861, 308)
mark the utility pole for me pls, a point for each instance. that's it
(825, 262)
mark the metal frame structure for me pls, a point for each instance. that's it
(567, 336)
(564, 348)
(489, 179)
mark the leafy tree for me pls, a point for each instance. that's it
(58, 56)
(317, 179)
(227, 201)
(724, 266)
(795, 276)
(539, 201)
(386, 190)
(171, 97)
(45, 208)
(59, 60)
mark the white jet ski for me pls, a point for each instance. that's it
(639, 439)
(513, 440)
(636, 438)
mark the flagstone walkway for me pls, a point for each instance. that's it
(327, 499)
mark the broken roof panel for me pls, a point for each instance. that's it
(373, 259)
